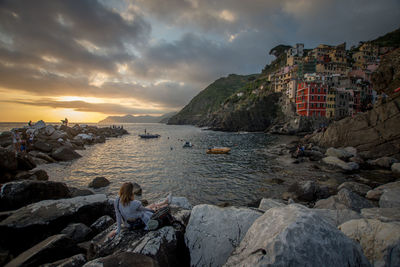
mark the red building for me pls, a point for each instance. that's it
(311, 99)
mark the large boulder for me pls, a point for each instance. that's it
(382, 214)
(17, 194)
(268, 203)
(396, 168)
(99, 182)
(41, 155)
(337, 217)
(65, 154)
(360, 189)
(338, 163)
(181, 202)
(37, 221)
(380, 240)
(78, 232)
(377, 192)
(69, 130)
(295, 236)
(48, 130)
(384, 162)
(42, 146)
(56, 135)
(213, 233)
(51, 249)
(123, 259)
(338, 153)
(79, 192)
(39, 125)
(102, 224)
(8, 160)
(25, 162)
(308, 191)
(390, 198)
(345, 199)
(6, 139)
(74, 261)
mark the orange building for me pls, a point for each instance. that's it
(311, 99)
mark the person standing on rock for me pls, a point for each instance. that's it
(128, 210)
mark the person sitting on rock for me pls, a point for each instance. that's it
(128, 210)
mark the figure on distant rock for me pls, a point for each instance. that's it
(64, 122)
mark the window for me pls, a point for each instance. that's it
(312, 90)
(319, 90)
(312, 97)
(318, 97)
(325, 98)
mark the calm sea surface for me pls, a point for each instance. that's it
(162, 165)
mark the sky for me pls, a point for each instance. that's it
(89, 59)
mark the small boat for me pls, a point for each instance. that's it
(188, 144)
(148, 136)
(218, 150)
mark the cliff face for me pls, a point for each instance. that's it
(374, 133)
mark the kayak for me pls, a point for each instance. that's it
(218, 150)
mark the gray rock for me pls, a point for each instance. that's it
(123, 259)
(74, 261)
(382, 214)
(8, 160)
(99, 182)
(295, 236)
(39, 161)
(181, 202)
(379, 240)
(337, 217)
(6, 139)
(313, 155)
(18, 194)
(65, 154)
(336, 162)
(78, 232)
(213, 233)
(345, 199)
(351, 150)
(48, 130)
(39, 220)
(102, 224)
(58, 134)
(384, 162)
(268, 203)
(39, 125)
(396, 168)
(78, 192)
(338, 153)
(390, 198)
(42, 146)
(360, 189)
(376, 193)
(51, 249)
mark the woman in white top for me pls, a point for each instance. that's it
(128, 209)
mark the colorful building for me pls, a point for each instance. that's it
(311, 99)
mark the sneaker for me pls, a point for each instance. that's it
(169, 198)
(152, 225)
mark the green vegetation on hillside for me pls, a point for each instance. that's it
(391, 39)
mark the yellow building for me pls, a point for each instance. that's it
(368, 53)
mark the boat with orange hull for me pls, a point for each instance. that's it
(218, 150)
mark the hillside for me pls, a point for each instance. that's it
(210, 99)
(391, 39)
(137, 119)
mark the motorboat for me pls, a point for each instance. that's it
(188, 144)
(148, 136)
(218, 150)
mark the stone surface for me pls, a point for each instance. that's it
(308, 191)
(345, 199)
(53, 248)
(382, 214)
(37, 221)
(379, 240)
(396, 168)
(65, 154)
(102, 224)
(351, 150)
(78, 232)
(213, 233)
(181, 202)
(17, 194)
(337, 217)
(390, 198)
(295, 236)
(48, 130)
(123, 259)
(78, 192)
(336, 162)
(8, 160)
(376, 193)
(338, 153)
(384, 162)
(360, 189)
(74, 261)
(268, 203)
(99, 182)
(43, 146)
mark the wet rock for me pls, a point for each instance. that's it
(74, 261)
(379, 240)
(181, 202)
(25, 162)
(295, 235)
(123, 259)
(213, 233)
(102, 224)
(338, 153)
(42, 146)
(390, 198)
(307, 191)
(78, 192)
(384, 162)
(181, 215)
(382, 214)
(377, 192)
(99, 182)
(37, 221)
(337, 217)
(51, 249)
(39, 175)
(8, 160)
(6, 139)
(18, 194)
(345, 199)
(65, 154)
(360, 189)
(268, 203)
(396, 168)
(336, 162)
(78, 232)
